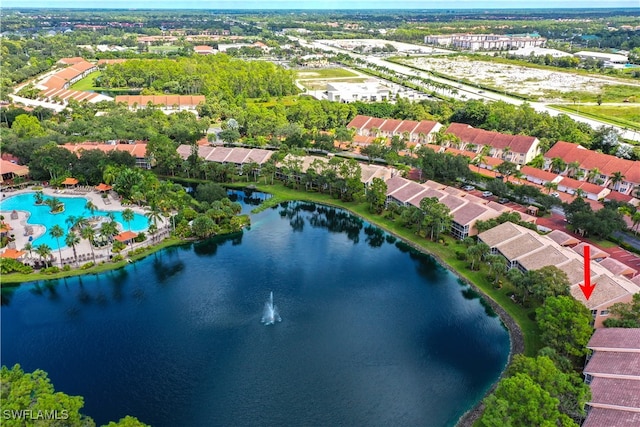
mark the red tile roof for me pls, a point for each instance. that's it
(599, 417)
(617, 338)
(500, 141)
(390, 125)
(358, 122)
(538, 173)
(618, 392)
(126, 236)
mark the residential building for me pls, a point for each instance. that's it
(350, 92)
(465, 208)
(519, 149)
(167, 103)
(527, 250)
(10, 170)
(613, 374)
(204, 50)
(600, 168)
(137, 149)
(413, 132)
(236, 155)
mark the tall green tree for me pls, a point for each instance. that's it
(625, 315)
(377, 195)
(57, 232)
(565, 326)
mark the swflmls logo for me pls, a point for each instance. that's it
(30, 414)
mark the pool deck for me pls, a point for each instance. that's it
(83, 249)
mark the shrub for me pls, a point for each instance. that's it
(50, 270)
(117, 258)
(66, 268)
(8, 265)
(141, 237)
(87, 265)
(461, 255)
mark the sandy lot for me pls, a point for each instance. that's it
(519, 79)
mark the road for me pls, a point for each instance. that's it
(469, 92)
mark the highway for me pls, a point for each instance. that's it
(469, 92)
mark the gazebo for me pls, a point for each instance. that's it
(12, 253)
(102, 187)
(70, 182)
(126, 237)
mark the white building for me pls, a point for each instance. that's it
(350, 92)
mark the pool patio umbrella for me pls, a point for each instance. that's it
(102, 187)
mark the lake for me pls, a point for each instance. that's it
(372, 332)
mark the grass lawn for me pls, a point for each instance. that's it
(163, 49)
(446, 253)
(87, 83)
(13, 279)
(624, 116)
(324, 73)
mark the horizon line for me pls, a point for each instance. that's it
(321, 9)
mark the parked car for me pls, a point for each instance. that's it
(503, 200)
(468, 188)
(487, 194)
(555, 194)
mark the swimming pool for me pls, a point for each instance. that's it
(72, 206)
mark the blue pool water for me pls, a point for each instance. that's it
(72, 206)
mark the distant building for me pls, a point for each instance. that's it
(484, 41)
(351, 92)
(236, 155)
(167, 103)
(610, 59)
(204, 50)
(138, 149)
(414, 132)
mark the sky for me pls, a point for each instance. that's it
(320, 4)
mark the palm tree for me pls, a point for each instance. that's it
(593, 174)
(72, 240)
(107, 230)
(636, 221)
(38, 196)
(153, 229)
(70, 221)
(573, 167)
(128, 216)
(558, 165)
(89, 234)
(57, 232)
(616, 178)
(44, 251)
(28, 247)
(550, 185)
(91, 207)
(580, 193)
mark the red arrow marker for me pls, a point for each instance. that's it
(587, 288)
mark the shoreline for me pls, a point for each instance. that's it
(516, 335)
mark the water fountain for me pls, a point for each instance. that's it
(270, 314)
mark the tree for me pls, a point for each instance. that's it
(477, 252)
(203, 226)
(57, 232)
(519, 401)
(72, 240)
(27, 126)
(547, 282)
(624, 315)
(127, 421)
(89, 233)
(616, 178)
(34, 391)
(210, 192)
(558, 165)
(377, 195)
(436, 216)
(507, 168)
(568, 387)
(565, 326)
(44, 251)
(127, 216)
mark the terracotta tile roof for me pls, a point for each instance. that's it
(375, 122)
(390, 125)
(617, 267)
(616, 338)
(619, 197)
(560, 149)
(71, 61)
(599, 417)
(470, 213)
(126, 236)
(538, 173)
(594, 252)
(425, 127)
(543, 258)
(10, 167)
(562, 238)
(500, 141)
(617, 392)
(12, 253)
(358, 122)
(519, 246)
(407, 126)
(608, 290)
(166, 100)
